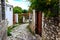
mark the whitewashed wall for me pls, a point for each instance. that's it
(32, 24)
(16, 18)
(24, 19)
(33, 19)
(42, 20)
(9, 14)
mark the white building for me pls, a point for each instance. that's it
(9, 14)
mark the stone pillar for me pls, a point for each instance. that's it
(0, 11)
(42, 20)
(33, 19)
(16, 18)
(23, 19)
(43, 33)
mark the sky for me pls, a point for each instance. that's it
(24, 4)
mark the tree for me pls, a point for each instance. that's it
(6, 0)
(45, 6)
(17, 9)
(37, 4)
(25, 11)
(50, 9)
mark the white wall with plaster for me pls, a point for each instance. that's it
(33, 19)
(16, 17)
(23, 19)
(9, 14)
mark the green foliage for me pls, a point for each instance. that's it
(50, 14)
(17, 9)
(25, 11)
(42, 5)
(8, 31)
(20, 19)
(6, 0)
(13, 26)
(30, 9)
(45, 6)
(38, 4)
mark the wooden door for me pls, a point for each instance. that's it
(39, 23)
(14, 21)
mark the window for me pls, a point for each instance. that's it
(10, 9)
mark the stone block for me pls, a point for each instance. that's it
(59, 24)
(57, 38)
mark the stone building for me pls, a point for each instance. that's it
(3, 33)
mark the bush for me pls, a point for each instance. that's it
(8, 31)
(13, 26)
(49, 14)
(10, 28)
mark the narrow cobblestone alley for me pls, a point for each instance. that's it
(21, 33)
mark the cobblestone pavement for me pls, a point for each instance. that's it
(21, 33)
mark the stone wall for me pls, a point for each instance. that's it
(3, 22)
(51, 29)
(0, 12)
(3, 30)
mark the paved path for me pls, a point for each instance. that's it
(21, 33)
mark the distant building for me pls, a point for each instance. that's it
(9, 14)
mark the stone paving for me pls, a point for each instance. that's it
(21, 33)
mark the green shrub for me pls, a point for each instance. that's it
(50, 14)
(13, 26)
(20, 19)
(10, 28)
(8, 31)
